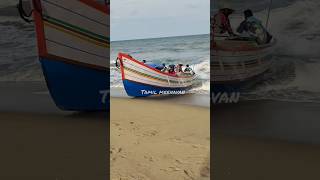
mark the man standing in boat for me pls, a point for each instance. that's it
(253, 28)
(221, 23)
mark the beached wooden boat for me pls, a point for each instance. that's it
(235, 60)
(141, 80)
(237, 63)
(73, 46)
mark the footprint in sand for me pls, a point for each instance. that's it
(117, 152)
(150, 133)
(134, 127)
(205, 170)
(149, 158)
(175, 169)
(189, 173)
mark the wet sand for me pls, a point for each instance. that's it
(266, 140)
(38, 141)
(289, 121)
(155, 140)
(192, 99)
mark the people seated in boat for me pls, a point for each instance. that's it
(221, 23)
(253, 29)
(171, 69)
(172, 72)
(188, 70)
(164, 69)
(117, 64)
(144, 61)
(179, 70)
(158, 67)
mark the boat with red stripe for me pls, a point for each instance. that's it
(141, 79)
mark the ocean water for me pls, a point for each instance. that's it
(192, 50)
(255, 5)
(18, 51)
(293, 77)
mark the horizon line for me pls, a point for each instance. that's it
(159, 37)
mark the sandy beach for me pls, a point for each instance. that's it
(249, 158)
(263, 140)
(155, 140)
(38, 141)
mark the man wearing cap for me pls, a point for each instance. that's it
(221, 22)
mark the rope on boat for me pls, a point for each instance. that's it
(23, 14)
(268, 17)
(27, 17)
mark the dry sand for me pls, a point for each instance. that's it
(249, 158)
(56, 146)
(152, 140)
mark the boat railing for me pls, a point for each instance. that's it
(239, 65)
(168, 80)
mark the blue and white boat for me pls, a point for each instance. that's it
(73, 46)
(142, 79)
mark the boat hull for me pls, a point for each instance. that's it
(74, 87)
(230, 92)
(73, 46)
(142, 80)
(137, 89)
(237, 62)
(236, 66)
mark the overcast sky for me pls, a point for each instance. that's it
(138, 19)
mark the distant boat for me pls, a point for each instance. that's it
(142, 80)
(73, 46)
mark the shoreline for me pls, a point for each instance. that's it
(27, 97)
(267, 119)
(191, 99)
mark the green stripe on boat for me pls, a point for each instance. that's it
(77, 29)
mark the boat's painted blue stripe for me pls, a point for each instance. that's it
(75, 87)
(136, 89)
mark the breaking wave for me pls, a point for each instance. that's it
(296, 70)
